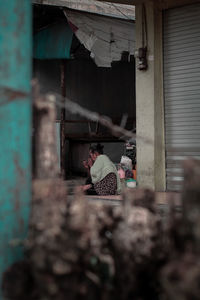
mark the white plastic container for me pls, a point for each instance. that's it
(131, 183)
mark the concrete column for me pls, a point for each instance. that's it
(149, 103)
(159, 146)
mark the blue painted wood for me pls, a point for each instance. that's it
(15, 127)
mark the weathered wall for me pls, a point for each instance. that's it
(15, 128)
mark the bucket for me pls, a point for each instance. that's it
(131, 183)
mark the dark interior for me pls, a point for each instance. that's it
(108, 91)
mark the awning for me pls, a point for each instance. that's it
(92, 6)
(53, 42)
(106, 38)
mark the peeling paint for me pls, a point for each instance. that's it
(9, 95)
(15, 127)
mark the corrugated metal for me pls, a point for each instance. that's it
(181, 89)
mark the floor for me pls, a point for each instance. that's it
(162, 198)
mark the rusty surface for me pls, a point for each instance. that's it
(8, 95)
(15, 128)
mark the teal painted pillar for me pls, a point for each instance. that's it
(15, 127)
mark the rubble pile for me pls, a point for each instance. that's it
(82, 250)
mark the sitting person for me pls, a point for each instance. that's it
(104, 178)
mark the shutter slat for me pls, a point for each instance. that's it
(181, 89)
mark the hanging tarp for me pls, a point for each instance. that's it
(106, 38)
(53, 42)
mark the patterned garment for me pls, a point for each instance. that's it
(107, 186)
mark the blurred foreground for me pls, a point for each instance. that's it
(77, 249)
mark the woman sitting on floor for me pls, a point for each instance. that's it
(104, 178)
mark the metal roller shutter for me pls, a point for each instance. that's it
(181, 89)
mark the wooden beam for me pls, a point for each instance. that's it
(128, 2)
(93, 6)
(162, 4)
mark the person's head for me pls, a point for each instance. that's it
(95, 151)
